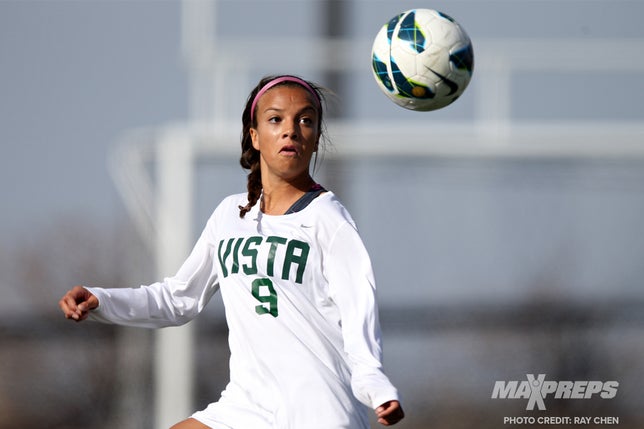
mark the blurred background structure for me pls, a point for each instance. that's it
(505, 230)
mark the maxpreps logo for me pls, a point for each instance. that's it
(535, 390)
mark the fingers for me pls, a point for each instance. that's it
(390, 413)
(77, 303)
(69, 307)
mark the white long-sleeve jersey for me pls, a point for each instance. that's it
(299, 297)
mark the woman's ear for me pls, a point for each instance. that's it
(254, 138)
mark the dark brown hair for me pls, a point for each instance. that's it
(249, 159)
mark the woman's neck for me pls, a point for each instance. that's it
(277, 198)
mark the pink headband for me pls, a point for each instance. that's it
(277, 81)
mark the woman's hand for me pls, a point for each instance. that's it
(390, 413)
(77, 303)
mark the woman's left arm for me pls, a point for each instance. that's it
(352, 286)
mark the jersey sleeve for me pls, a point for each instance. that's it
(174, 301)
(352, 287)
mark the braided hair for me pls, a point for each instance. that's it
(250, 157)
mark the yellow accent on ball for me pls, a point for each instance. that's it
(418, 91)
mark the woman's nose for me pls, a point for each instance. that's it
(291, 129)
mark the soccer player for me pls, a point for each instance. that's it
(295, 278)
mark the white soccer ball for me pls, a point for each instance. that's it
(422, 59)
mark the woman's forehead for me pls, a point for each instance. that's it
(287, 94)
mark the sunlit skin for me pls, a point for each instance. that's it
(287, 135)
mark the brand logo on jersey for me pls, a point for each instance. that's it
(536, 389)
(249, 255)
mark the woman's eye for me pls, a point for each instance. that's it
(274, 119)
(306, 120)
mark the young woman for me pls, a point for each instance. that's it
(295, 278)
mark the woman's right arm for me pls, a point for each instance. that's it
(173, 301)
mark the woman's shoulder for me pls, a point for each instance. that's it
(230, 204)
(329, 208)
(234, 200)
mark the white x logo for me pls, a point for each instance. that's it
(535, 395)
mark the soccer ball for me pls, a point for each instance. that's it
(422, 59)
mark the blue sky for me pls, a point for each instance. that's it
(74, 76)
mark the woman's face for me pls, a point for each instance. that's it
(287, 132)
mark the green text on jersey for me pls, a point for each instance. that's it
(243, 253)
